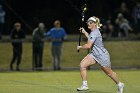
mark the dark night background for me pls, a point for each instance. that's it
(30, 12)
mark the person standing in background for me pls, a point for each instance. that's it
(17, 34)
(136, 17)
(38, 45)
(2, 20)
(123, 25)
(57, 35)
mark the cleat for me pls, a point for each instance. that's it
(82, 88)
(120, 87)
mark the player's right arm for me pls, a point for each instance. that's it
(84, 32)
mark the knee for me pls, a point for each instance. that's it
(82, 66)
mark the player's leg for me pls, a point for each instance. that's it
(87, 61)
(114, 77)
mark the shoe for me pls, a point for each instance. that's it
(82, 88)
(17, 69)
(11, 67)
(120, 87)
(59, 68)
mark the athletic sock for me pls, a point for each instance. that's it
(85, 83)
(119, 83)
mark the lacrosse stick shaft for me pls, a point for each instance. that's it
(83, 17)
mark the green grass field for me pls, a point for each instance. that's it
(123, 53)
(66, 82)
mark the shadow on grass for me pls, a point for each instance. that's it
(56, 88)
(91, 91)
(69, 90)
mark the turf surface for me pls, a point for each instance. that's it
(66, 82)
(123, 53)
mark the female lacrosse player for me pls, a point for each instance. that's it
(98, 54)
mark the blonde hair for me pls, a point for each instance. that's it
(97, 22)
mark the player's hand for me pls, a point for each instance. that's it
(78, 47)
(82, 30)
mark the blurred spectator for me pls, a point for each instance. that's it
(57, 34)
(125, 11)
(108, 28)
(38, 45)
(123, 25)
(136, 16)
(2, 20)
(17, 34)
